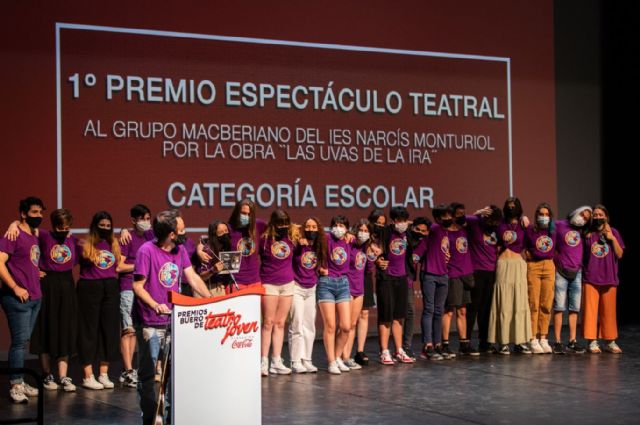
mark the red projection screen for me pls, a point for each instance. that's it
(319, 108)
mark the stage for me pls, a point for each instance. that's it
(525, 389)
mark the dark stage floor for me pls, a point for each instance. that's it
(541, 389)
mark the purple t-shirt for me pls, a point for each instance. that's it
(397, 254)
(460, 262)
(357, 265)
(511, 236)
(240, 241)
(57, 257)
(540, 243)
(162, 271)
(483, 247)
(435, 260)
(130, 251)
(24, 257)
(305, 266)
(600, 262)
(569, 249)
(338, 256)
(104, 266)
(276, 257)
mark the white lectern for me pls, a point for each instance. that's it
(215, 367)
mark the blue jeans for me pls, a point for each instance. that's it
(573, 288)
(434, 295)
(21, 318)
(150, 341)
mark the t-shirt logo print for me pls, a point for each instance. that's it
(491, 239)
(361, 260)
(462, 245)
(247, 246)
(509, 237)
(280, 250)
(309, 260)
(168, 274)
(105, 260)
(572, 238)
(34, 255)
(60, 254)
(444, 245)
(544, 244)
(339, 256)
(599, 250)
(398, 246)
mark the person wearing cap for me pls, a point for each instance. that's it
(568, 285)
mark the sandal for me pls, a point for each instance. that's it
(594, 348)
(613, 348)
(361, 358)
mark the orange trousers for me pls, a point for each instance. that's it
(599, 302)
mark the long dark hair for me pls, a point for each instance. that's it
(234, 218)
(517, 210)
(214, 242)
(320, 244)
(90, 250)
(540, 206)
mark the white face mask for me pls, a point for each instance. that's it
(244, 219)
(338, 232)
(363, 237)
(578, 220)
(543, 221)
(143, 225)
(401, 227)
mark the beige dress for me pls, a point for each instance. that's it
(510, 319)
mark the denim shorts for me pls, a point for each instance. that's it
(333, 290)
(126, 305)
(573, 288)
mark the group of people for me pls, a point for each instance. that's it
(495, 266)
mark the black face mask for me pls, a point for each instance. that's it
(33, 222)
(447, 223)
(60, 236)
(510, 213)
(597, 222)
(282, 232)
(225, 240)
(460, 221)
(180, 239)
(104, 233)
(418, 235)
(378, 229)
(311, 234)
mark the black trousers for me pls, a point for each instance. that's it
(480, 307)
(98, 320)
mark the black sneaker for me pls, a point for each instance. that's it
(558, 348)
(487, 348)
(361, 358)
(466, 349)
(522, 348)
(428, 352)
(409, 352)
(575, 348)
(446, 352)
(504, 350)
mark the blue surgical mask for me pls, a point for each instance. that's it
(244, 219)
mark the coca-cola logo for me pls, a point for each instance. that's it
(240, 332)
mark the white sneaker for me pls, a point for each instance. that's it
(535, 347)
(351, 364)
(297, 367)
(333, 368)
(546, 348)
(29, 390)
(278, 367)
(67, 385)
(104, 380)
(309, 366)
(92, 384)
(343, 367)
(264, 366)
(49, 383)
(402, 357)
(17, 394)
